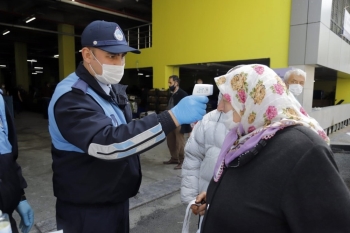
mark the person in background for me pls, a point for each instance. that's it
(189, 90)
(202, 151)
(275, 171)
(17, 99)
(46, 93)
(95, 142)
(199, 81)
(4, 90)
(12, 183)
(295, 80)
(175, 139)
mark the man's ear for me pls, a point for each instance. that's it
(86, 54)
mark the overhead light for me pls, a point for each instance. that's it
(34, 73)
(140, 74)
(38, 72)
(80, 51)
(38, 68)
(32, 60)
(56, 56)
(30, 19)
(2, 65)
(147, 75)
(6, 32)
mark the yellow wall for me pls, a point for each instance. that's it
(343, 87)
(22, 77)
(198, 31)
(66, 49)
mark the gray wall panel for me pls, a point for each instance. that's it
(334, 51)
(314, 11)
(323, 46)
(326, 12)
(312, 43)
(299, 12)
(345, 57)
(297, 45)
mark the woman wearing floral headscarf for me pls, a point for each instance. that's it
(275, 171)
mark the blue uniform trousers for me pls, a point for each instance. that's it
(108, 218)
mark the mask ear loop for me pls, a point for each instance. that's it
(97, 62)
(220, 97)
(95, 57)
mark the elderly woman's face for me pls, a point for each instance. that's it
(225, 106)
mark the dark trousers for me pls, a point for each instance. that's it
(45, 101)
(176, 143)
(113, 218)
(13, 225)
(17, 105)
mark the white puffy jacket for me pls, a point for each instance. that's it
(201, 152)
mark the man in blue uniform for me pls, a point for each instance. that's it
(95, 143)
(12, 182)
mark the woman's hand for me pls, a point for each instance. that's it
(200, 206)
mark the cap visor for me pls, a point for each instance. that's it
(119, 49)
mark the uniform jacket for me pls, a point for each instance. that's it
(201, 152)
(12, 182)
(177, 96)
(289, 183)
(100, 163)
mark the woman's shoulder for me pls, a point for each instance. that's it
(302, 135)
(292, 143)
(213, 116)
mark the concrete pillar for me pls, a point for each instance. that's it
(161, 75)
(22, 77)
(66, 50)
(306, 97)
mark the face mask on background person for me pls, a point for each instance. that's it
(172, 88)
(227, 120)
(296, 89)
(111, 74)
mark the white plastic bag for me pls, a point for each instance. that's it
(186, 224)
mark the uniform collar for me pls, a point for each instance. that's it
(98, 87)
(105, 87)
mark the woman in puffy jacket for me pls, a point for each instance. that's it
(202, 150)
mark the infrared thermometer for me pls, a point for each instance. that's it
(203, 89)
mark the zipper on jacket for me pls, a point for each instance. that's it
(219, 117)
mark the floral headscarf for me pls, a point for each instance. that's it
(265, 105)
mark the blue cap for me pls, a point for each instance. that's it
(107, 36)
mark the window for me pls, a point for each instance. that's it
(337, 17)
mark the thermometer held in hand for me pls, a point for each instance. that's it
(203, 89)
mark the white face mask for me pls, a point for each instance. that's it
(227, 120)
(296, 89)
(111, 74)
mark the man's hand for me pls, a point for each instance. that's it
(190, 109)
(27, 216)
